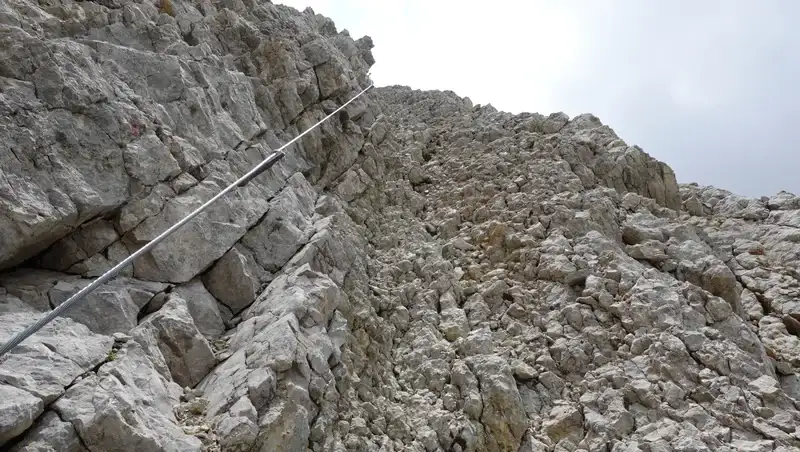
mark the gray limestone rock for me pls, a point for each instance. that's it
(211, 234)
(186, 352)
(238, 427)
(119, 134)
(141, 209)
(503, 414)
(127, 405)
(272, 339)
(18, 410)
(33, 285)
(87, 241)
(108, 309)
(149, 161)
(234, 279)
(51, 434)
(40, 370)
(203, 308)
(417, 273)
(286, 227)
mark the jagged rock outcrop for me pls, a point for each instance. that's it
(418, 274)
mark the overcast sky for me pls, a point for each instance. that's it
(709, 87)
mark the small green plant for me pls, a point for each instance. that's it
(166, 7)
(112, 355)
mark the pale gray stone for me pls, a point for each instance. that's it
(211, 234)
(127, 405)
(234, 279)
(417, 273)
(39, 370)
(148, 160)
(106, 310)
(286, 227)
(563, 421)
(203, 307)
(238, 427)
(555, 122)
(503, 414)
(33, 285)
(139, 210)
(18, 410)
(186, 352)
(51, 434)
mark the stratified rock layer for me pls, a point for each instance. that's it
(418, 274)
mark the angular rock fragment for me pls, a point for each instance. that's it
(126, 405)
(18, 410)
(203, 307)
(106, 310)
(234, 280)
(39, 371)
(186, 352)
(51, 434)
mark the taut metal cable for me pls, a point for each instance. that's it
(241, 182)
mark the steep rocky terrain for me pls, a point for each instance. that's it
(418, 274)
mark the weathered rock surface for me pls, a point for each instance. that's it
(126, 405)
(184, 349)
(417, 274)
(37, 372)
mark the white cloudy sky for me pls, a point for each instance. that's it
(709, 87)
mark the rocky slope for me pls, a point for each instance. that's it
(418, 274)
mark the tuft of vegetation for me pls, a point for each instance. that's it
(112, 355)
(166, 8)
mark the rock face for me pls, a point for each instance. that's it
(418, 274)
